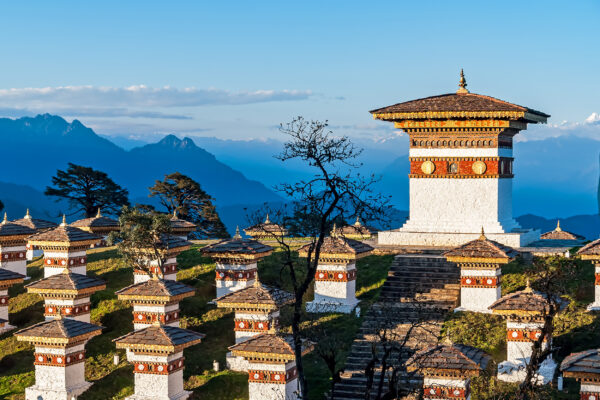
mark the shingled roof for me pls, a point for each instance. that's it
(590, 250)
(237, 246)
(356, 230)
(67, 283)
(34, 223)
(266, 228)
(259, 296)
(559, 234)
(9, 278)
(156, 289)
(456, 359)
(482, 249)
(99, 222)
(159, 338)
(336, 246)
(63, 234)
(58, 331)
(12, 229)
(527, 300)
(584, 363)
(178, 224)
(266, 346)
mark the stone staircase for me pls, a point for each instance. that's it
(418, 293)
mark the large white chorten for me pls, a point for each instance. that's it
(461, 168)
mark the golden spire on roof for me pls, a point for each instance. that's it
(482, 236)
(64, 221)
(5, 220)
(65, 271)
(98, 214)
(334, 232)
(558, 228)
(462, 84)
(237, 233)
(357, 222)
(267, 220)
(175, 213)
(27, 216)
(528, 288)
(447, 341)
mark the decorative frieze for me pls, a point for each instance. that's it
(445, 392)
(278, 377)
(335, 276)
(59, 360)
(223, 274)
(158, 368)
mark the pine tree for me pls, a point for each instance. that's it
(180, 193)
(87, 190)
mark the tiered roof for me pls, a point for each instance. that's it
(559, 234)
(67, 284)
(97, 224)
(10, 230)
(266, 229)
(590, 251)
(482, 250)
(266, 347)
(459, 105)
(339, 247)
(58, 331)
(34, 223)
(357, 230)
(63, 235)
(237, 247)
(156, 289)
(181, 226)
(9, 278)
(582, 365)
(256, 297)
(449, 360)
(159, 339)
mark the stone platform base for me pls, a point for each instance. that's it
(179, 396)
(399, 237)
(482, 311)
(595, 306)
(36, 393)
(236, 363)
(6, 328)
(345, 308)
(511, 372)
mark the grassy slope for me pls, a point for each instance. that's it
(575, 329)
(116, 382)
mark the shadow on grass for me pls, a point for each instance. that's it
(117, 384)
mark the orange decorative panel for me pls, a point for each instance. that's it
(522, 335)
(244, 325)
(480, 281)
(150, 317)
(158, 368)
(235, 275)
(7, 256)
(65, 262)
(67, 311)
(272, 376)
(335, 276)
(444, 392)
(58, 360)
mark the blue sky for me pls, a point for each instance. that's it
(238, 69)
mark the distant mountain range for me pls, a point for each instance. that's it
(555, 177)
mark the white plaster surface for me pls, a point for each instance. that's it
(159, 387)
(55, 270)
(478, 299)
(586, 387)
(31, 254)
(59, 378)
(403, 237)
(156, 308)
(18, 266)
(138, 326)
(516, 372)
(480, 272)
(236, 363)
(35, 393)
(230, 286)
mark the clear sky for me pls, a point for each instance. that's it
(238, 69)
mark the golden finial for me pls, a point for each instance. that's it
(237, 233)
(462, 85)
(482, 236)
(175, 213)
(65, 271)
(98, 214)
(267, 220)
(64, 221)
(558, 228)
(27, 215)
(528, 288)
(447, 341)
(334, 230)
(5, 220)
(58, 315)
(357, 222)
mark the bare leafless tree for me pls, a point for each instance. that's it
(335, 192)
